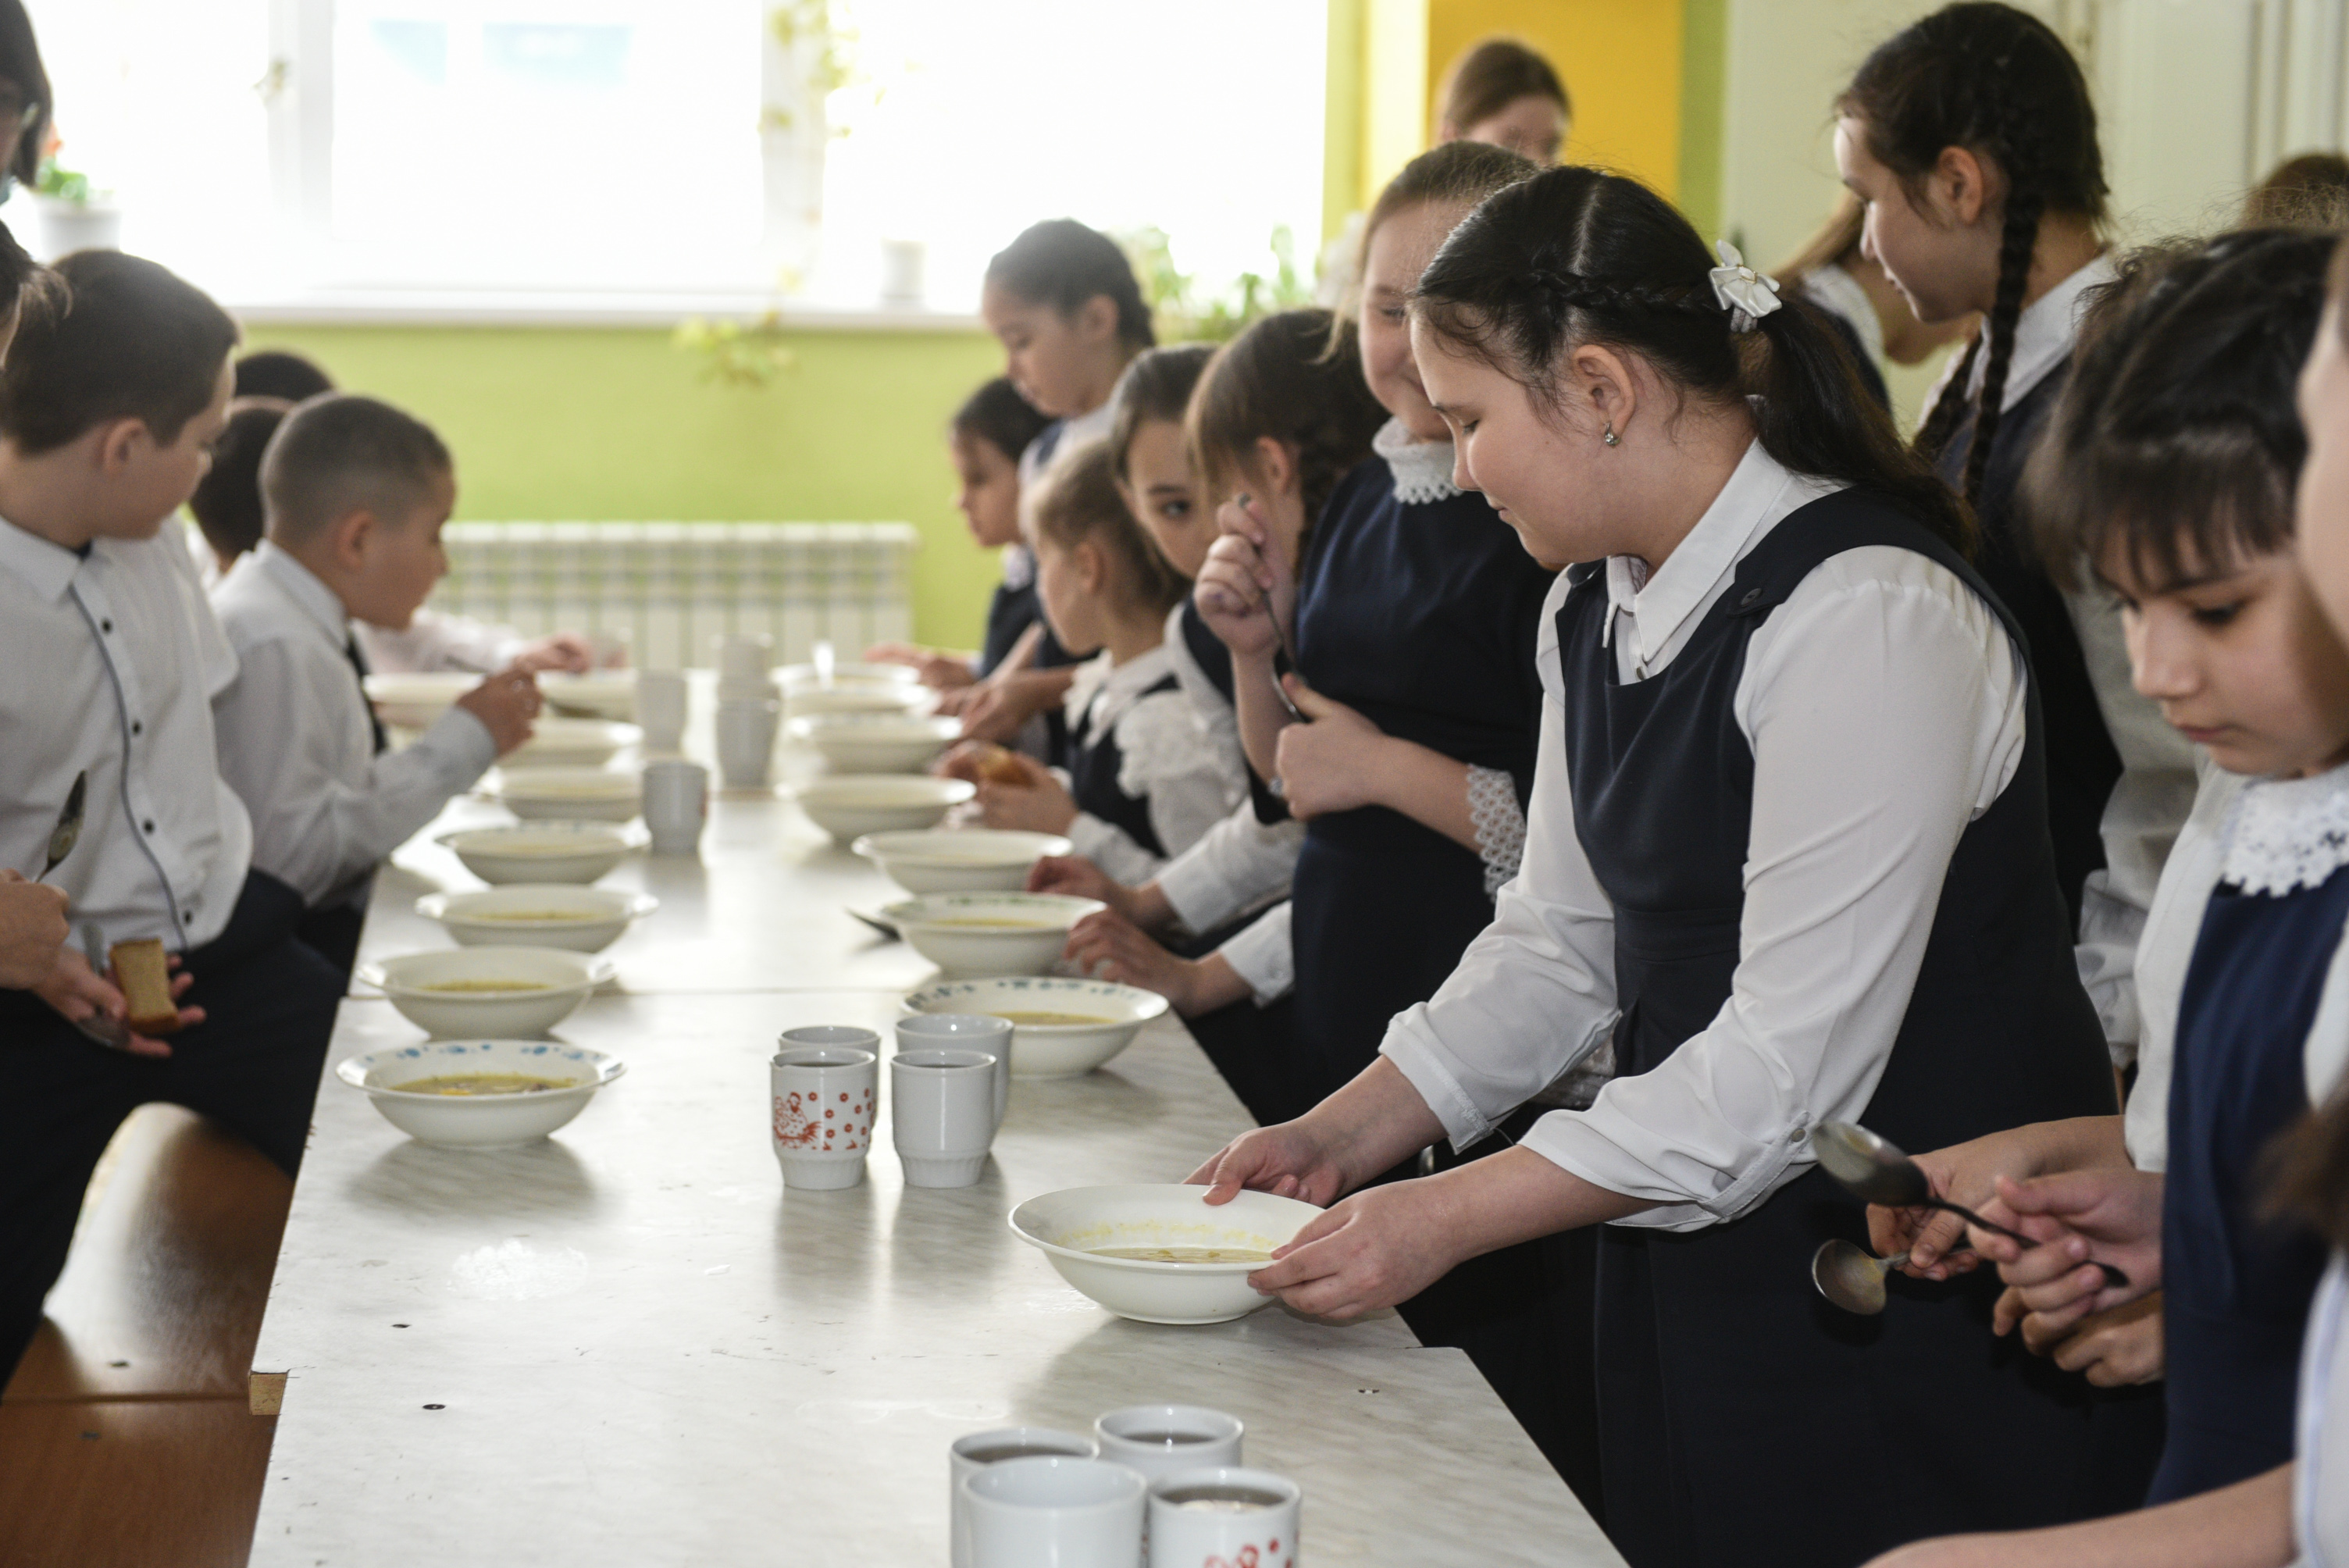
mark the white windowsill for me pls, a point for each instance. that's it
(518, 307)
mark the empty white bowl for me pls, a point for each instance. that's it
(848, 673)
(546, 984)
(977, 934)
(959, 860)
(892, 698)
(875, 742)
(573, 743)
(541, 851)
(538, 914)
(1072, 1226)
(1050, 1051)
(599, 694)
(414, 701)
(849, 805)
(569, 794)
(483, 1122)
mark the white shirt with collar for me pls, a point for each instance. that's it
(1886, 710)
(1166, 758)
(297, 744)
(109, 662)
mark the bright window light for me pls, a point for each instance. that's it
(282, 150)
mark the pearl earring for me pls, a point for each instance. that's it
(1611, 437)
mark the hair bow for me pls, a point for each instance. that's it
(1747, 296)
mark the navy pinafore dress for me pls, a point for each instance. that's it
(1741, 1420)
(2236, 1285)
(1095, 760)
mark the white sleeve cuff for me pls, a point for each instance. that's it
(1412, 1047)
(1112, 849)
(460, 746)
(1262, 957)
(1577, 1141)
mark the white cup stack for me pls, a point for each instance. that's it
(750, 709)
(661, 709)
(676, 803)
(825, 1085)
(982, 1032)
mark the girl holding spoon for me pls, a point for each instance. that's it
(1787, 882)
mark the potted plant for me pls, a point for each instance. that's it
(73, 215)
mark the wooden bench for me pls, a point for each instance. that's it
(126, 1438)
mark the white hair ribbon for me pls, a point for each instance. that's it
(1747, 296)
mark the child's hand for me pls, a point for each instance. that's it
(939, 672)
(505, 703)
(565, 650)
(77, 993)
(1108, 947)
(32, 930)
(1073, 876)
(1330, 764)
(2112, 1350)
(1934, 1239)
(1041, 804)
(1007, 700)
(1245, 571)
(2111, 1215)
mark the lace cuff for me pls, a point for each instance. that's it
(1500, 824)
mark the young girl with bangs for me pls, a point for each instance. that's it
(1788, 882)
(1971, 139)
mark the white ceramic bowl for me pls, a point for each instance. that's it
(541, 851)
(599, 694)
(849, 673)
(573, 743)
(569, 794)
(414, 701)
(489, 1121)
(1070, 1226)
(959, 860)
(898, 698)
(563, 978)
(850, 805)
(1050, 1051)
(538, 914)
(875, 742)
(975, 934)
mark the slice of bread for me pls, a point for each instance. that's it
(144, 973)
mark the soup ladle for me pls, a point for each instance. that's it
(1873, 1169)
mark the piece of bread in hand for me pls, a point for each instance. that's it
(1000, 765)
(144, 973)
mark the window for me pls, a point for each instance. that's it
(693, 153)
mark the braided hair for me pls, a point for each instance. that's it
(1574, 255)
(1997, 82)
(1295, 376)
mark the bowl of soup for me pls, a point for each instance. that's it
(599, 694)
(959, 860)
(542, 852)
(569, 794)
(898, 699)
(875, 742)
(1160, 1254)
(538, 914)
(1060, 1028)
(983, 933)
(851, 675)
(413, 700)
(573, 743)
(479, 1094)
(850, 805)
(488, 993)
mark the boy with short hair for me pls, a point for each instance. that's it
(109, 656)
(354, 494)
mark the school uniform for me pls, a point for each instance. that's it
(433, 641)
(108, 659)
(1790, 884)
(1147, 781)
(2164, 952)
(1015, 607)
(1851, 316)
(2320, 1482)
(302, 747)
(2236, 1287)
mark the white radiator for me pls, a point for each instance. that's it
(671, 587)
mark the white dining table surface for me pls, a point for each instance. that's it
(630, 1344)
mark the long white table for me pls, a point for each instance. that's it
(630, 1344)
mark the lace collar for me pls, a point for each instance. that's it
(2287, 833)
(1421, 469)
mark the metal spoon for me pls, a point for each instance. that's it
(1289, 649)
(108, 1031)
(1874, 1171)
(1850, 1277)
(67, 833)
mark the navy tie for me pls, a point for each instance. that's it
(358, 667)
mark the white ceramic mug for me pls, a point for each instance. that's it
(942, 1115)
(822, 1118)
(1068, 1512)
(1160, 1439)
(969, 1455)
(745, 655)
(746, 740)
(1224, 1514)
(661, 709)
(965, 1032)
(676, 803)
(845, 1035)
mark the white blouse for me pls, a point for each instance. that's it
(1166, 758)
(2162, 953)
(2320, 1482)
(1887, 710)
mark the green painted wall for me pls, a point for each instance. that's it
(1704, 93)
(603, 424)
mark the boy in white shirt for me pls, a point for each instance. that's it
(355, 494)
(109, 657)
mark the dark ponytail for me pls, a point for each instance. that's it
(1574, 256)
(1997, 82)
